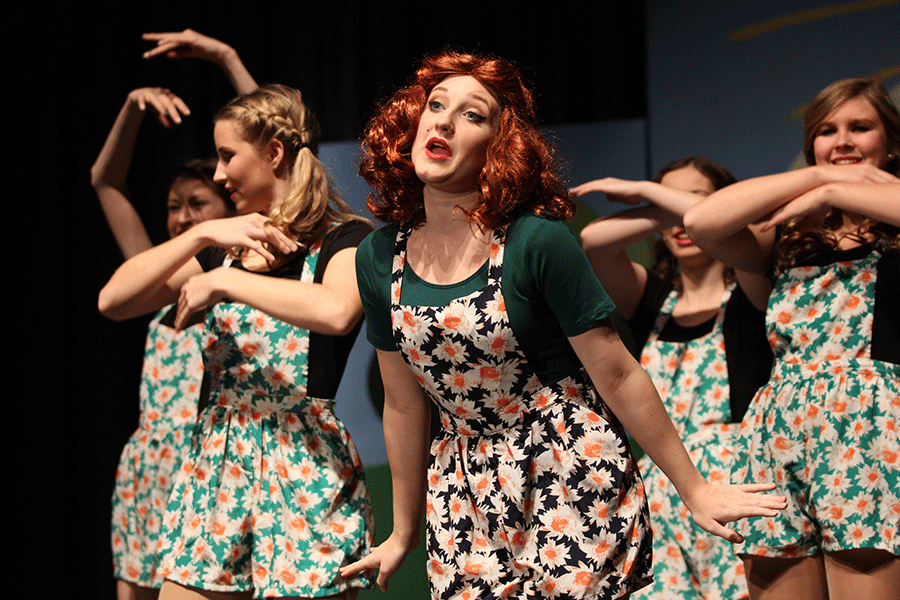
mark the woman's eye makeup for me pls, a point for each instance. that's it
(475, 117)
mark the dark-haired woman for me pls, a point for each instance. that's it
(477, 296)
(704, 345)
(173, 369)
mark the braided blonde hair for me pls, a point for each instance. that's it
(277, 111)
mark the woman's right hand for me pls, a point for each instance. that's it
(616, 190)
(386, 559)
(246, 231)
(169, 108)
(856, 173)
(186, 44)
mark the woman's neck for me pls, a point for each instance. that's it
(449, 246)
(702, 286)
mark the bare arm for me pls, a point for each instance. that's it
(606, 239)
(110, 171)
(153, 278)
(879, 201)
(630, 394)
(727, 224)
(406, 424)
(332, 307)
(189, 43)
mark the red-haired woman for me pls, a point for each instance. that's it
(477, 296)
(825, 426)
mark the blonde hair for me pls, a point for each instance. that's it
(277, 112)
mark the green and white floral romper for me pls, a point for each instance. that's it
(826, 429)
(272, 497)
(692, 380)
(170, 388)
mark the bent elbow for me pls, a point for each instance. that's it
(108, 307)
(345, 322)
(695, 226)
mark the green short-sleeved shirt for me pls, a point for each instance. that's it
(548, 285)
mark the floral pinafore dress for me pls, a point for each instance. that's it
(272, 496)
(692, 380)
(532, 489)
(171, 377)
(825, 427)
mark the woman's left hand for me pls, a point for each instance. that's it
(811, 206)
(712, 506)
(199, 292)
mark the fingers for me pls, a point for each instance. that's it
(725, 532)
(250, 231)
(169, 108)
(167, 43)
(278, 237)
(367, 563)
(184, 44)
(184, 309)
(584, 188)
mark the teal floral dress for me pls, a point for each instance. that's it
(272, 497)
(169, 391)
(532, 489)
(825, 429)
(692, 379)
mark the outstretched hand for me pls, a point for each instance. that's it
(616, 190)
(186, 44)
(169, 108)
(386, 559)
(714, 505)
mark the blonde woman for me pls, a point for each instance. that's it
(271, 500)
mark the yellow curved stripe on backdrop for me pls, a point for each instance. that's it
(879, 75)
(804, 16)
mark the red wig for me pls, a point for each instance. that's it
(519, 171)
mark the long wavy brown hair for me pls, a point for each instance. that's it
(519, 172)
(278, 112)
(796, 245)
(664, 263)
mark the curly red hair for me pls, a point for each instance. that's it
(519, 170)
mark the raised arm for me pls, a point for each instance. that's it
(605, 240)
(630, 394)
(110, 171)
(406, 425)
(191, 44)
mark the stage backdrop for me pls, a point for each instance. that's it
(731, 79)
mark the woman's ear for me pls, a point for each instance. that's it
(275, 153)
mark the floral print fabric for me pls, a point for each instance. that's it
(692, 380)
(532, 489)
(825, 429)
(170, 387)
(272, 496)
